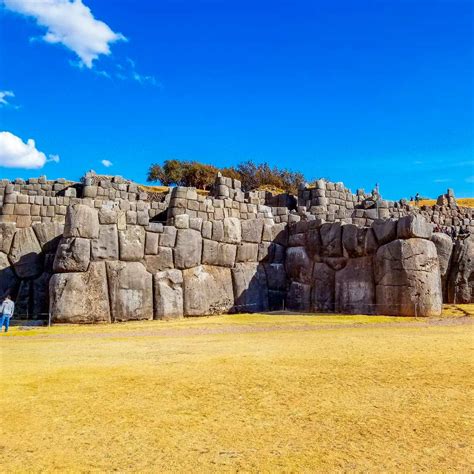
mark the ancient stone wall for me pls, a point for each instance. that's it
(105, 250)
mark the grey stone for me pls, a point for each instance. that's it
(106, 246)
(323, 292)
(7, 231)
(80, 297)
(163, 260)
(73, 255)
(131, 291)
(355, 287)
(298, 265)
(168, 289)
(252, 230)
(81, 221)
(25, 254)
(414, 226)
(250, 288)
(188, 249)
(207, 290)
(132, 243)
(247, 252)
(232, 230)
(331, 239)
(217, 253)
(299, 297)
(408, 280)
(276, 276)
(460, 284)
(385, 230)
(168, 237)
(444, 248)
(49, 235)
(8, 280)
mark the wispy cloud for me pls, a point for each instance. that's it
(5, 97)
(442, 180)
(107, 163)
(15, 153)
(70, 23)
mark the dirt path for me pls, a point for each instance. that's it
(245, 329)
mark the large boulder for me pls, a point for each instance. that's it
(250, 288)
(323, 293)
(355, 287)
(168, 289)
(357, 241)
(331, 239)
(49, 235)
(298, 265)
(385, 230)
(252, 230)
(131, 291)
(232, 230)
(414, 226)
(160, 262)
(73, 255)
(80, 297)
(106, 246)
(8, 280)
(460, 282)
(444, 247)
(25, 254)
(207, 290)
(408, 280)
(218, 253)
(7, 231)
(299, 297)
(188, 250)
(132, 243)
(81, 221)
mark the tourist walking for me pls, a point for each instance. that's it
(7, 309)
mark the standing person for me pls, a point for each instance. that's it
(417, 198)
(7, 309)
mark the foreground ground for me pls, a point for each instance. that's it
(249, 393)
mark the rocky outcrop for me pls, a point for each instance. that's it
(460, 285)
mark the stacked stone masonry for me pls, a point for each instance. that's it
(106, 250)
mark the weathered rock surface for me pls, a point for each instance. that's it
(168, 289)
(355, 287)
(187, 253)
(298, 265)
(25, 254)
(323, 295)
(73, 255)
(131, 291)
(106, 246)
(331, 239)
(81, 221)
(461, 274)
(80, 297)
(385, 230)
(414, 226)
(218, 253)
(7, 231)
(444, 248)
(299, 297)
(408, 280)
(250, 288)
(162, 261)
(8, 278)
(132, 243)
(49, 235)
(207, 290)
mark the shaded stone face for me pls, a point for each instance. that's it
(444, 248)
(7, 231)
(25, 254)
(299, 297)
(414, 226)
(250, 288)
(408, 280)
(323, 293)
(461, 274)
(80, 297)
(73, 255)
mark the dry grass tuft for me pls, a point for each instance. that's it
(299, 393)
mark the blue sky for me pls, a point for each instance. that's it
(354, 91)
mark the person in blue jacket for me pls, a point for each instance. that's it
(6, 310)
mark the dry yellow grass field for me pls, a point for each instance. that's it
(462, 202)
(240, 393)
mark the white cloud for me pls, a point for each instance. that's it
(70, 23)
(14, 153)
(54, 158)
(107, 163)
(442, 180)
(4, 96)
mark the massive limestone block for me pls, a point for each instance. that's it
(217, 253)
(132, 243)
(250, 288)
(7, 231)
(276, 276)
(40, 303)
(8, 280)
(247, 252)
(358, 241)
(232, 230)
(323, 293)
(49, 235)
(444, 247)
(162, 261)
(81, 221)
(106, 246)
(131, 291)
(73, 255)
(168, 289)
(80, 297)
(331, 239)
(252, 230)
(414, 226)
(207, 290)
(385, 230)
(299, 297)
(25, 254)
(313, 241)
(355, 287)
(187, 253)
(298, 264)
(460, 282)
(408, 280)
